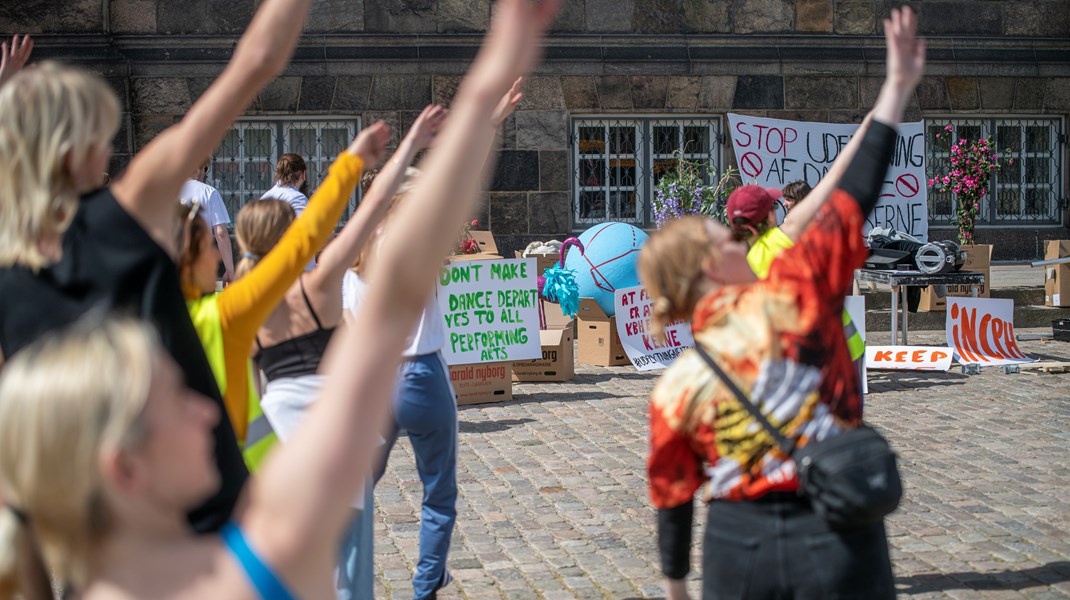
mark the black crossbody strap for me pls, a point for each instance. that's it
(786, 445)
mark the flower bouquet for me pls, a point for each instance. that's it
(466, 244)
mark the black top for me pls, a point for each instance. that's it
(299, 355)
(112, 265)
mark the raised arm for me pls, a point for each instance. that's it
(14, 57)
(340, 254)
(150, 184)
(804, 212)
(300, 501)
(906, 65)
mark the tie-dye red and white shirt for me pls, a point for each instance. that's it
(781, 340)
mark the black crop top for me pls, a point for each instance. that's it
(299, 355)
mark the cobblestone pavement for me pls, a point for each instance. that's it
(553, 498)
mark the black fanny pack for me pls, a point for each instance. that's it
(851, 479)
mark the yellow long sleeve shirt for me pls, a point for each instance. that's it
(246, 304)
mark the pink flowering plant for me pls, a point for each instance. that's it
(466, 244)
(971, 164)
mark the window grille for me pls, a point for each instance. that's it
(1027, 192)
(243, 166)
(617, 162)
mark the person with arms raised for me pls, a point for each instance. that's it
(779, 341)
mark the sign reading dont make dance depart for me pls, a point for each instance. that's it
(633, 310)
(775, 152)
(981, 331)
(490, 308)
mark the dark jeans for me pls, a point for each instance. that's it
(778, 548)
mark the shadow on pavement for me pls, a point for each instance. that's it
(630, 375)
(912, 380)
(1010, 579)
(490, 426)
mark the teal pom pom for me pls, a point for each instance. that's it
(561, 287)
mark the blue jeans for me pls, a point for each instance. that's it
(426, 409)
(355, 576)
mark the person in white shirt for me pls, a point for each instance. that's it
(195, 191)
(291, 186)
(291, 182)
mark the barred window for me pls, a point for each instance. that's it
(1027, 191)
(243, 166)
(618, 161)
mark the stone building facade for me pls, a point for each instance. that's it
(623, 83)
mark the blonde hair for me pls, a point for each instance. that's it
(62, 401)
(258, 227)
(360, 266)
(49, 115)
(671, 267)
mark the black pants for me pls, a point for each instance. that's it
(778, 548)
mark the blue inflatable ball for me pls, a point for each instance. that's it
(609, 262)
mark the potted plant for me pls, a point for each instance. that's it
(684, 191)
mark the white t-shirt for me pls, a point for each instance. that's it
(212, 208)
(430, 333)
(289, 195)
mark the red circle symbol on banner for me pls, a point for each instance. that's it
(751, 164)
(907, 185)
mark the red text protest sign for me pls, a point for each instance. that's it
(908, 358)
(775, 152)
(646, 352)
(981, 330)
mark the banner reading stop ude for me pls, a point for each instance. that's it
(775, 152)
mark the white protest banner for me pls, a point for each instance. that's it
(775, 152)
(490, 308)
(908, 358)
(633, 310)
(981, 331)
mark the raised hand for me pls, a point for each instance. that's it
(14, 57)
(370, 144)
(906, 51)
(509, 102)
(426, 126)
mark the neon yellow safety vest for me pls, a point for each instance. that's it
(765, 249)
(259, 437)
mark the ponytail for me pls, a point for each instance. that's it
(258, 227)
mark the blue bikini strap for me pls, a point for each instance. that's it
(267, 584)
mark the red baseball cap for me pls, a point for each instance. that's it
(751, 202)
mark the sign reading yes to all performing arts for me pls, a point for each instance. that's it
(490, 309)
(633, 311)
(775, 152)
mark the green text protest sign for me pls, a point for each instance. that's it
(491, 311)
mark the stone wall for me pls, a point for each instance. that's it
(818, 60)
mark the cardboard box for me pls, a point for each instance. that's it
(599, 343)
(1057, 277)
(558, 362)
(482, 382)
(543, 261)
(978, 260)
(487, 248)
